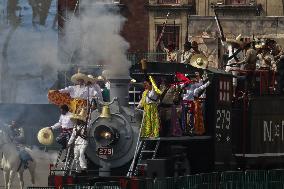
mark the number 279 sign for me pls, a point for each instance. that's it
(223, 125)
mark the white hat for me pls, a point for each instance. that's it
(235, 41)
(45, 136)
(79, 76)
(91, 79)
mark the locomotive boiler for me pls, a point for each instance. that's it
(114, 130)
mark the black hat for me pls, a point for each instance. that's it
(187, 44)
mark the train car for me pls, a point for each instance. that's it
(180, 155)
(241, 132)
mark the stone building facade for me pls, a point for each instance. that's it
(145, 19)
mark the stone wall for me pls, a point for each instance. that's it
(235, 26)
(269, 7)
(136, 28)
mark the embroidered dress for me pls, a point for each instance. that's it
(176, 128)
(198, 118)
(150, 122)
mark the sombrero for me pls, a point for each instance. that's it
(91, 79)
(79, 76)
(235, 41)
(100, 78)
(199, 61)
(45, 136)
(81, 116)
(106, 73)
(258, 46)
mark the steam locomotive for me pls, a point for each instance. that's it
(244, 132)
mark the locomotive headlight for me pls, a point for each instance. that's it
(105, 135)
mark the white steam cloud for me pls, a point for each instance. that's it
(96, 35)
(29, 60)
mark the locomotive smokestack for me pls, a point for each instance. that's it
(119, 86)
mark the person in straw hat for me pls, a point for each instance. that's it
(94, 89)
(186, 54)
(232, 46)
(79, 139)
(78, 92)
(65, 124)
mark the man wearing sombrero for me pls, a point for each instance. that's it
(186, 53)
(232, 47)
(79, 139)
(78, 92)
(94, 89)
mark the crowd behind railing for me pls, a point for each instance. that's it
(258, 64)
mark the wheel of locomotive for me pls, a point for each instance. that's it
(115, 132)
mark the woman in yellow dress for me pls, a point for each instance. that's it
(149, 102)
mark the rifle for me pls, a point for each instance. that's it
(221, 32)
(163, 30)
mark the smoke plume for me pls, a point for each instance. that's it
(96, 35)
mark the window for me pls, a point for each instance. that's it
(236, 2)
(168, 1)
(171, 35)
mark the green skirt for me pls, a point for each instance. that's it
(150, 121)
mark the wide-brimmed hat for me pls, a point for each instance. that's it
(91, 79)
(81, 116)
(259, 46)
(235, 41)
(100, 78)
(79, 76)
(45, 136)
(199, 61)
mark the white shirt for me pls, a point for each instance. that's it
(189, 95)
(239, 56)
(78, 140)
(64, 122)
(95, 91)
(186, 56)
(151, 97)
(200, 89)
(76, 91)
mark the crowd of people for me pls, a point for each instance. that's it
(251, 59)
(245, 58)
(174, 108)
(76, 102)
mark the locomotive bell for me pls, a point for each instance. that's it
(105, 112)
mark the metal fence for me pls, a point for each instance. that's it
(134, 58)
(251, 179)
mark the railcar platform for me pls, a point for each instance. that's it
(179, 138)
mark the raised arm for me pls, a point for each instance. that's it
(156, 89)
